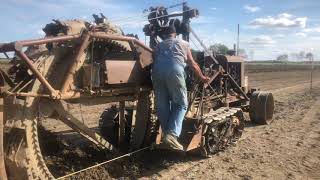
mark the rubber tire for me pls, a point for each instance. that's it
(261, 107)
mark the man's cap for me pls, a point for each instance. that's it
(169, 30)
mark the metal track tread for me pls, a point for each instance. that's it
(221, 128)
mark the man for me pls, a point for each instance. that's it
(168, 76)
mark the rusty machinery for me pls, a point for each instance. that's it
(80, 67)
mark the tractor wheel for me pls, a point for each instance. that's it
(109, 127)
(141, 126)
(261, 107)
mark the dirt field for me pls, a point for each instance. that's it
(287, 149)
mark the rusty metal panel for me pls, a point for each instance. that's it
(145, 56)
(196, 140)
(118, 72)
(234, 58)
(238, 59)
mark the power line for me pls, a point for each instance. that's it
(144, 14)
(171, 14)
(152, 18)
(191, 39)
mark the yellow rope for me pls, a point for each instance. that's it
(105, 162)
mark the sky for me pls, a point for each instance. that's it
(268, 28)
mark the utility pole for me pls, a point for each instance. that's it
(238, 40)
(311, 74)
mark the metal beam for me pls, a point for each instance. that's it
(49, 40)
(212, 79)
(203, 46)
(74, 123)
(121, 122)
(78, 61)
(238, 87)
(6, 55)
(17, 45)
(36, 72)
(3, 173)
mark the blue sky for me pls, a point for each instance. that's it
(268, 27)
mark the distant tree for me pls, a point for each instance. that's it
(219, 48)
(301, 55)
(283, 57)
(309, 56)
(294, 56)
(298, 56)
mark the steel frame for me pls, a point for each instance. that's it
(64, 93)
(112, 95)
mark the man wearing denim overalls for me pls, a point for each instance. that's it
(168, 76)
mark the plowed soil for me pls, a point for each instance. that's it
(286, 149)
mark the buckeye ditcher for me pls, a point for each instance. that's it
(80, 67)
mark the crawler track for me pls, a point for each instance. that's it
(221, 128)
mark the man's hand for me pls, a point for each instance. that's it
(195, 67)
(205, 79)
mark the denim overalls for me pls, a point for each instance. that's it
(169, 84)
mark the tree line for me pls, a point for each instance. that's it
(222, 49)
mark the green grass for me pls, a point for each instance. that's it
(4, 60)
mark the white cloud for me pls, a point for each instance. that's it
(283, 20)
(262, 40)
(251, 9)
(204, 20)
(315, 38)
(213, 8)
(285, 15)
(314, 29)
(301, 34)
(278, 35)
(139, 24)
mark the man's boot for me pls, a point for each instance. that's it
(172, 141)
